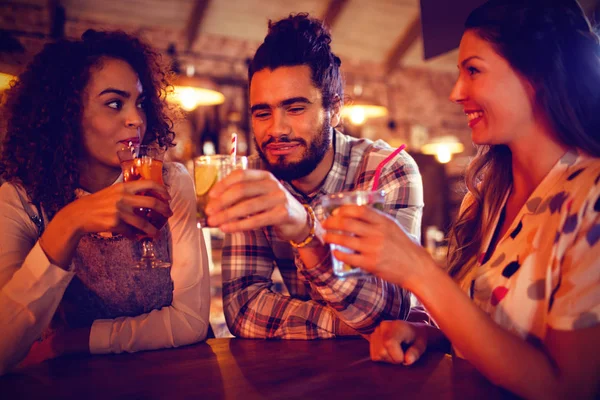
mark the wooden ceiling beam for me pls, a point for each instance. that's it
(332, 12)
(195, 20)
(408, 37)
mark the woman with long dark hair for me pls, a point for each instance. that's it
(67, 243)
(521, 299)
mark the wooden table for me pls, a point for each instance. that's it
(249, 369)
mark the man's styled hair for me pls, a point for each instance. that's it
(302, 40)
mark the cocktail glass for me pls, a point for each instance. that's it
(375, 199)
(208, 170)
(145, 162)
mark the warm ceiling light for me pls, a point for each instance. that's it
(191, 92)
(359, 111)
(5, 80)
(443, 148)
(191, 97)
(361, 108)
(357, 115)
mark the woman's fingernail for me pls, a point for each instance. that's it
(335, 211)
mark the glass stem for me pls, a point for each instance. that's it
(148, 250)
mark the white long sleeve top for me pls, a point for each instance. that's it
(31, 287)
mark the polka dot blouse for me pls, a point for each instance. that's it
(545, 271)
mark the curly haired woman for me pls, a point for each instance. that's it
(67, 240)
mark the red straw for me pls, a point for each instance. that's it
(233, 149)
(382, 164)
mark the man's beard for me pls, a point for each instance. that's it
(289, 171)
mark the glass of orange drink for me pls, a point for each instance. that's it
(145, 162)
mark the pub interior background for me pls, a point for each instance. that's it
(397, 55)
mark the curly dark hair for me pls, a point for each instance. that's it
(43, 143)
(302, 40)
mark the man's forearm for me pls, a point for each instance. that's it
(316, 251)
(360, 302)
(256, 312)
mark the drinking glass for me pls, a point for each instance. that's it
(375, 199)
(145, 162)
(208, 170)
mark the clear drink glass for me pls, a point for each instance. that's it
(208, 170)
(375, 199)
(145, 162)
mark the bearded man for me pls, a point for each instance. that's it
(270, 212)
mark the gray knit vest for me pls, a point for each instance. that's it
(106, 284)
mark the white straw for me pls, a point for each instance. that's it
(233, 150)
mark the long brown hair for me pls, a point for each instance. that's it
(553, 47)
(488, 177)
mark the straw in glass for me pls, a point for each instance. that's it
(382, 164)
(233, 150)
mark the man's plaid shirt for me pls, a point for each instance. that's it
(318, 300)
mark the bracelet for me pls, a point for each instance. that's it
(311, 234)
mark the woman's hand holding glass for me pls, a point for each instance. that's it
(113, 209)
(381, 245)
